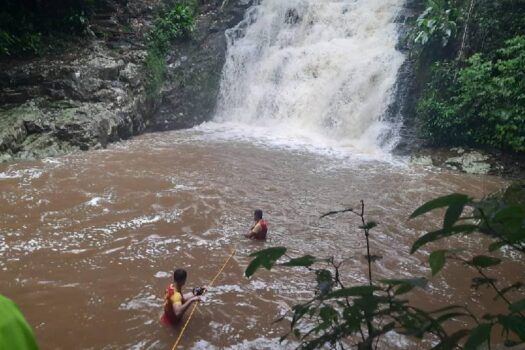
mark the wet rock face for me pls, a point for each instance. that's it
(72, 103)
(94, 93)
(85, 97)
(195, 67)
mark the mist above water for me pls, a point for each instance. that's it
(315, 70)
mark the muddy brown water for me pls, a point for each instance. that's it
(88, 241)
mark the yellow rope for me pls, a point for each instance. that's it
(196, 304)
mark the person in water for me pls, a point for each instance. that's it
(175, 302)
(260, 227)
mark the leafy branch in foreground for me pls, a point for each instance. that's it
(340, 315)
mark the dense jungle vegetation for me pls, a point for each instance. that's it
(474, 92)
(29, 27)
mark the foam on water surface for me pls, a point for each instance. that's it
(316, 73)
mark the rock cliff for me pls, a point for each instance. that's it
(93, 92)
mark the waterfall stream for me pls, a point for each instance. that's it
(323, 71)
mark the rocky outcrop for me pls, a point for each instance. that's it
(85, 97)
(93, 93)
(195, 67)
(467, 161)
(73, 104)
(471, 161)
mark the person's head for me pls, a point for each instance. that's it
(257, 214)
(179, 277)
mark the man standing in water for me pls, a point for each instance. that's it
(175, 302)
(259, 228)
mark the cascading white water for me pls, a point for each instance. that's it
(315, 69)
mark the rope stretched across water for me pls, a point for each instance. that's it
(196, 304)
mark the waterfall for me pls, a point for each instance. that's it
(317, 69)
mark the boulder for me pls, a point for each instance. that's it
(473, 162)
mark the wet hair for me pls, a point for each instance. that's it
(257, 213)
(179, 276)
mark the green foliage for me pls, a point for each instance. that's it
(481, 104)
(156, 67)
(437, 261)
(15, 332)
(174, 21)
(27, 28)
(473, 94)
(265, 258)
(494, 22)
(356, 316)
(437, 24)
(27, 43)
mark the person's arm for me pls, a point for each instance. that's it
(180, 309)
(249, 233)
(255, 230)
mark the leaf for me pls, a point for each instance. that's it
(447, 308)
(328, 314)
(323, 276)
(299, 311)
(373, 257)
(306, 261)
(478, 336)
(368, 226)
(450, 315)
(437, 261)
(435, 235)
(266, 258)
(496, 245)
(334, 212)
(513, 213)
(453, 213)
(352, 292)
(484, 261)
(451, 341)
(517, 306)
(406, 285)
(513, 323)
(403, 288)
(441, 202)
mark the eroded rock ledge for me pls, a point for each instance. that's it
(93, 93)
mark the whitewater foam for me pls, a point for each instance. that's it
(310, 72)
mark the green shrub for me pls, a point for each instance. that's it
(175, 21)
(481, 104)
(494, 22)
(156, 68)
(437, 24)
(27, 28)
